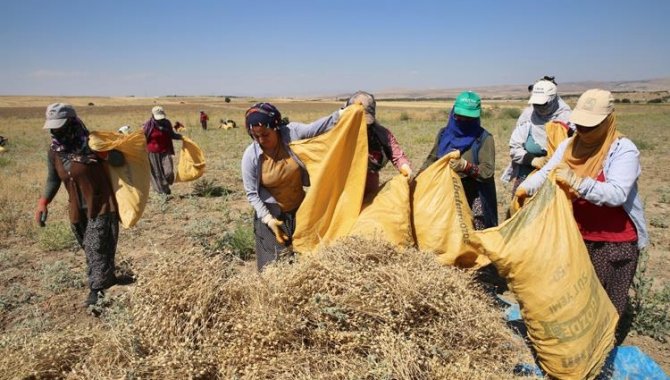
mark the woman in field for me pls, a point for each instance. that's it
(528, 143)
(600, 168)
(382, 144)
(159, 133)
(274, 177)
(476, 165)
(92, 206)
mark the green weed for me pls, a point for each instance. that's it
(208, 188)
(56, 236)
(658, 222)
(510, 113)
(651, 308)
(665, 196)
(16, 295)
(58, 276)
(240, 242)
(643, 145)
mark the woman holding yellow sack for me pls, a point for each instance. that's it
(476, 165)
(528, 143)
(382, 144)
(159, 133)
(92, 206)
(274, 177)
(600, 168)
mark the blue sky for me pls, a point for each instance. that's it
(303, 48)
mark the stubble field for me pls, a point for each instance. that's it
(42, 272)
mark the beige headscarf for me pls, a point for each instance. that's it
(586, 153)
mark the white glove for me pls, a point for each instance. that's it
(406, 170)
(275, 226)
(458, 165)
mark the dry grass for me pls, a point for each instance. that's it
(357, 310)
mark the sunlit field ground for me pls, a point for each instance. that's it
(42, 273)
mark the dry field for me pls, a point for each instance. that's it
(205, 231)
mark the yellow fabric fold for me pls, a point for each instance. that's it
(337, 164)
(131, 180)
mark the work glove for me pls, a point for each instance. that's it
(275, 227)
(42, 212)
(567, 177)
(406, 170)
(539, 162)
(521, 193)
(458, 165)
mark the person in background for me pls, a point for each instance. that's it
(159, 133)
(476, 165)
(204, 118)
(125, 130)
(92, 205)
(599, 167)
(274, 177)
(382, 144)
(179, 127)
(3, 141)
(528, 143)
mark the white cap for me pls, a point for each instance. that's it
(543, 92)
(158, 112)
(592, 108)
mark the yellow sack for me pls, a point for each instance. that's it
(442, 218)
(191, 164)
(569, 316)
(337, 163)
(556, 133)
(388, 215)
(131, 180)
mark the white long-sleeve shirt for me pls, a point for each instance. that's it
(621, 168)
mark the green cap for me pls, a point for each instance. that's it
(468, 104)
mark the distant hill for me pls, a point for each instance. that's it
(520, 91)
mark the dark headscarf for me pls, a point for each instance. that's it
(458, 134)
(264, 115)
(71, 141)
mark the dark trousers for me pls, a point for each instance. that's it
(98, 237)
(615, 265)
(267, 247)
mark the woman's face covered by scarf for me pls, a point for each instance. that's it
(547, 108)
(70, 138)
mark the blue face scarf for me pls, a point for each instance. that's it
(458, 135)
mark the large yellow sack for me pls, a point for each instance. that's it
(131, 180)
(442, 218)
(556, 133)
(569, 316)
(191, 164)
(337, 164)
(388, 215)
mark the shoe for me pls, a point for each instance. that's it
(93, 297)
(124, 279)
